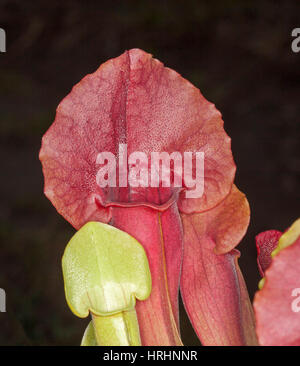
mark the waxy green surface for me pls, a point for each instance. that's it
(89, 338)
(120, 329)
(105, 270)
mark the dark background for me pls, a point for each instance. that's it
(237, 52)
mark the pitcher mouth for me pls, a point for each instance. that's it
(158, 206)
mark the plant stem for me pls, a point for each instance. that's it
(121, 329)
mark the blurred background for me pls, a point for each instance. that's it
(238, 53)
